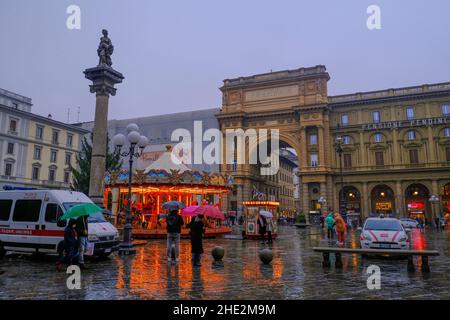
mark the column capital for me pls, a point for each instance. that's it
(103, 80)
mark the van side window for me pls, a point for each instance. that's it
(52, 213)
(27, 210)
(5, 209)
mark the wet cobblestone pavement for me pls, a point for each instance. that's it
(295, 273)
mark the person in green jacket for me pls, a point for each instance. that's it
(330, 224)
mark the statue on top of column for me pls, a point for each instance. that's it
(105, 49)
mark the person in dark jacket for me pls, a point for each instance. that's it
(262, 225)
(70, 245)
(82, 232)
(174, 223)
(197, 227)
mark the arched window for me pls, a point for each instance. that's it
(411, 135)
(447, 132)
(346, 140)
(378, 137)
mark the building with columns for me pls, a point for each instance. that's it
(395, 142)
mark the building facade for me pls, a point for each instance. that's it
(36, 151)
(159, 129)
(395, 142)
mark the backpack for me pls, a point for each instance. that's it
(172, 222)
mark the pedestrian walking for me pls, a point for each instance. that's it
(322, 221)
(174, 223)
(197, 227)
(437, 222)
(70, 245)
(341, 228)
(82, 232)
(330, 225)
(262, 224)
(269, 229)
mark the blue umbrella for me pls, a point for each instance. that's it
(173, 205)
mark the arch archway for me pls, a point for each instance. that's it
(352, 198)
(383, 200)
(445, 195)
(417, 203)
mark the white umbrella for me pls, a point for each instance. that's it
(266, 213)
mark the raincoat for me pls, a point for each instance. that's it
(340, 224)
(330, 221)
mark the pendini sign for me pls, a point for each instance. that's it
(405, 124)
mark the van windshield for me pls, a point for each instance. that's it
(95, 217)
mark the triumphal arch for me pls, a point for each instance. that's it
(296, 103)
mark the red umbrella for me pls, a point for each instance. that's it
(206, 210)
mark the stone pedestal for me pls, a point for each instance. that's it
(103, 80)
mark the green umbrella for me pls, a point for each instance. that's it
(79, 210)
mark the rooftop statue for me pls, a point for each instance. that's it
(105, 49)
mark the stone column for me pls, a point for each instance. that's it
(103, 80)
(395, 147)
(321, 147)
(305, 198)
(431, 146)
(399, 203)
(304, 155)
(365, 210)
(362, 150)
(326, 141)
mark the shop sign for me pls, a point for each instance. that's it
(383, 206)
(405, 124)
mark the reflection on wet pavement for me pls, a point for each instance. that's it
(295, 273)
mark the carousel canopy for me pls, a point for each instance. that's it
(166, 163)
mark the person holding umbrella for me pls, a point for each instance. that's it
(70, 245)
(82, 232)
(197, 227)
(174, 222)
(262, 224)
(267, 225)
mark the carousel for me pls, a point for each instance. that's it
(252, 211)
(161, 182)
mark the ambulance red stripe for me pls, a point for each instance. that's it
(29, 232)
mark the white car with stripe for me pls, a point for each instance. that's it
(384, 233)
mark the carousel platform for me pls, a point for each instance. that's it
(162, 233)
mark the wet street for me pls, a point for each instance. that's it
(295, 273)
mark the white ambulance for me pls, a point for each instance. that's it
(29, 222)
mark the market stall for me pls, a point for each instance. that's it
(252, 211)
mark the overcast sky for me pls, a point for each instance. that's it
(175, 54)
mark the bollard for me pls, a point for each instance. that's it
(266, 256)
(218, 253)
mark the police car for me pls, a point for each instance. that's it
(383, 233)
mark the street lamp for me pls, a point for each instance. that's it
(339, 151)
(134, 139)
(433, 199)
